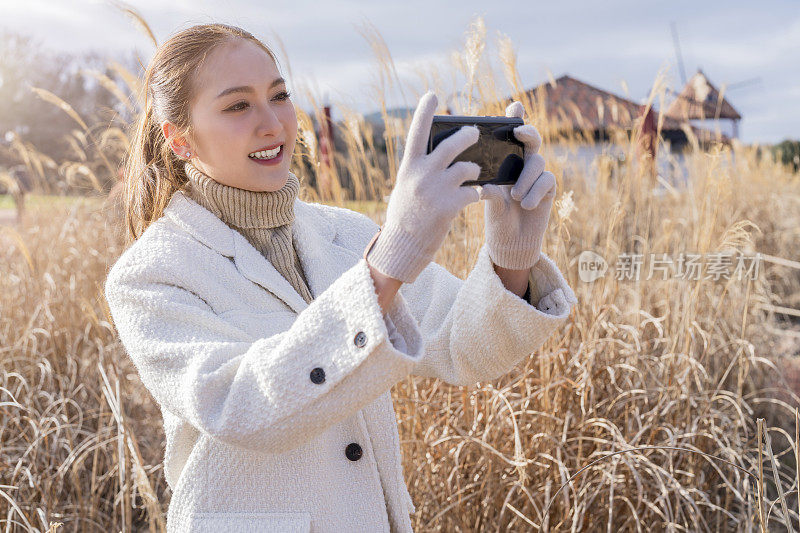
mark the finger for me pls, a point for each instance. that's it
(462, 171)
(490, 191)
(530, 172)
(529, 136)
(447, 150)
(420, 129)
(469, 195)
(515, 109)
(544, 187)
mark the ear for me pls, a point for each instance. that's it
(177, 142)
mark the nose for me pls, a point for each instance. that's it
(269, 123)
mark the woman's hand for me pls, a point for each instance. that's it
(515, 217)
(427, 195)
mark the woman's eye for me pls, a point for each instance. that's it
(284, 95)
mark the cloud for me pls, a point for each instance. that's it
(601, 43)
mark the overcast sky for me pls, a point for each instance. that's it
(606, 43)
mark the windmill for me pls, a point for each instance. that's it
(700, 99)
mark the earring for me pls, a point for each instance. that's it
(188, 154)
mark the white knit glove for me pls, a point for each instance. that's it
(516, 216)
(426, 197)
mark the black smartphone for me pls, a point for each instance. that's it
(498, 152)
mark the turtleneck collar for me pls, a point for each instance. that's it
(240, 207)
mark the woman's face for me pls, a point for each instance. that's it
(240, 106)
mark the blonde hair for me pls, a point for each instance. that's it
(152, 171)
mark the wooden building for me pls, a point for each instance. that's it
(573, 106)
(701, 104)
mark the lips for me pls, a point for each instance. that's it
(271, 147)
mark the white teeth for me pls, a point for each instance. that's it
(266, 154)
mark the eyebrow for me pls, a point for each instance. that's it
(247, 88)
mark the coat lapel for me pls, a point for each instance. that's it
(323, 261)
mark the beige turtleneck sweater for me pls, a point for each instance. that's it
(263, 218)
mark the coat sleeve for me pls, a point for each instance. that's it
(260, 394)
(476, 329)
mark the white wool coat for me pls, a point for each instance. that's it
(277, 413)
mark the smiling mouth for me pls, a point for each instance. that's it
(266, 155)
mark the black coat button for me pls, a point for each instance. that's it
(360, 339)
(318, 375)
(353, 451)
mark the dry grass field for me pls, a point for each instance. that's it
(661, 404)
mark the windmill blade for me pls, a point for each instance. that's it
(745, 83)
(677, 45)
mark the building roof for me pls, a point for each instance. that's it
(572, 104)
(699, 99)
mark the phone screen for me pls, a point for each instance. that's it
(498, 152)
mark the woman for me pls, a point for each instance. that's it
(270, 330)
